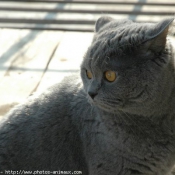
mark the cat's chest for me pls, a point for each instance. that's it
(124, 146)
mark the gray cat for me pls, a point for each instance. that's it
(119, 120)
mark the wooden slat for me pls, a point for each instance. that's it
(46, 21)
(75, 29)
(14, 24)
(97, 2)
(135, 12)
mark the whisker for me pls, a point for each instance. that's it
(110, 100)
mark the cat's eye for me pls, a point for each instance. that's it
(89, 74)
(110, 76)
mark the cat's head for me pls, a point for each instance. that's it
(127, 67)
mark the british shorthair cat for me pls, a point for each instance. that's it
(116, 118)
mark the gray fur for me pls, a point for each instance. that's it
(129, 126)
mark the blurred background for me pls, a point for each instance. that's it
(42, 41)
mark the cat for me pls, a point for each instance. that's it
(115, 117)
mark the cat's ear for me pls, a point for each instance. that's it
(101, 22)
(156, 35)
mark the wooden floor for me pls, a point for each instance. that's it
(32, 60)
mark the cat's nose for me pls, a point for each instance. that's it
(92, 94)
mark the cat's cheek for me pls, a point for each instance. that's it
(85, 85)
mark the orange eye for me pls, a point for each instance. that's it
(89, 74)
(110, 76)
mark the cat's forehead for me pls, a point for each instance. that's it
(112, 62)
(116, 46)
